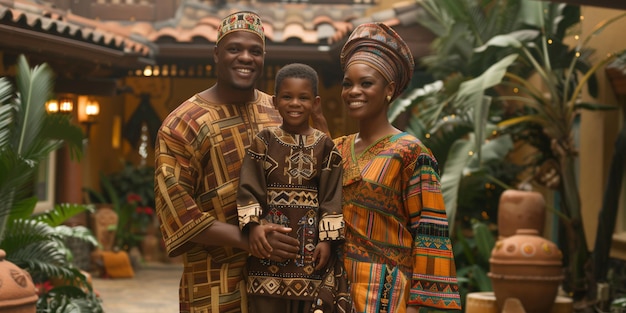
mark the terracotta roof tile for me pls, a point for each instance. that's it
(305, 24)
(54, 21)
(308, 23)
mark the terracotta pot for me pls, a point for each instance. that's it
(518, 209)
(17, 290)
(528, 267)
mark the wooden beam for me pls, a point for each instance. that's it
(52, 46)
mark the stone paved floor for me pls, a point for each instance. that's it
(154, 289)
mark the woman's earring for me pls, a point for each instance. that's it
(388, 98)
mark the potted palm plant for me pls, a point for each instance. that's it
(541, 116)
(36, 242)
(554, 107)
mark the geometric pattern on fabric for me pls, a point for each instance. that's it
(199, 149)
(395, 216)
(297, 183)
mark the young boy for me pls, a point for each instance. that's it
(291, 176)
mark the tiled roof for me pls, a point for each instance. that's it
(307, 31)
(315, 24)
(45, 19)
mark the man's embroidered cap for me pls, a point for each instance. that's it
(241, 21)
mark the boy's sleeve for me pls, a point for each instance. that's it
(252, 192)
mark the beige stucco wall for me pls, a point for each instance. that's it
(598, 129)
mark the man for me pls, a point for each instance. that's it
(199, 151)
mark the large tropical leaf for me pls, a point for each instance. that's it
(61, 213)
(450, 180)
(412, 97)
(34, 87)
(27, 136)
(445, 133)
(6, 112)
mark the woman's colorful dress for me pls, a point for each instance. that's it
(397, 250)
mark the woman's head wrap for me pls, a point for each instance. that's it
(241, 21)
(380, 47)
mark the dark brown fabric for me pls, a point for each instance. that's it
(333, 295)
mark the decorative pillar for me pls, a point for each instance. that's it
(69, 184)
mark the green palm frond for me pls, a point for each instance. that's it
(45, 258)
(445, 133)
(58, 129)
(22, 232)
(23, 208)
(426, 98)
(6, 111)
(77, 232)
(61, 213)
(27, 136)
(34, 86)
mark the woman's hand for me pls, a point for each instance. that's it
(321, 254)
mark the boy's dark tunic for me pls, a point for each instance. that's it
(295, 181)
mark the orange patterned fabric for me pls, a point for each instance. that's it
(397, 250)
(199, 150)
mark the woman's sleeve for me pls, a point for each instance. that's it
(434, 282)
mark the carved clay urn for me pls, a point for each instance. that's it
(17, 291)
(519, 209)
(528, 267)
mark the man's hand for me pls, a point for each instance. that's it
(257, 241)
(318, 119)
(283, 246)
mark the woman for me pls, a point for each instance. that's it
(398, 253)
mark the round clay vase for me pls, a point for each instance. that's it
(519, 209)
(528, 267)
(17, 291)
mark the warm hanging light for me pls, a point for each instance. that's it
(92, 109)
(52, 106)
(63, 105)
(89, 111)
(66, 106)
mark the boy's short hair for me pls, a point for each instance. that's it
(296, 70)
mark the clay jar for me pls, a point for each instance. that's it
(519, 209)
(17, 291)
(528, 267)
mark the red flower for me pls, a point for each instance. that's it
(144, 210)
(44, 287)
(133, 198)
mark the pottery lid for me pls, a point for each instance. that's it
(16, 285)
(526, 247)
